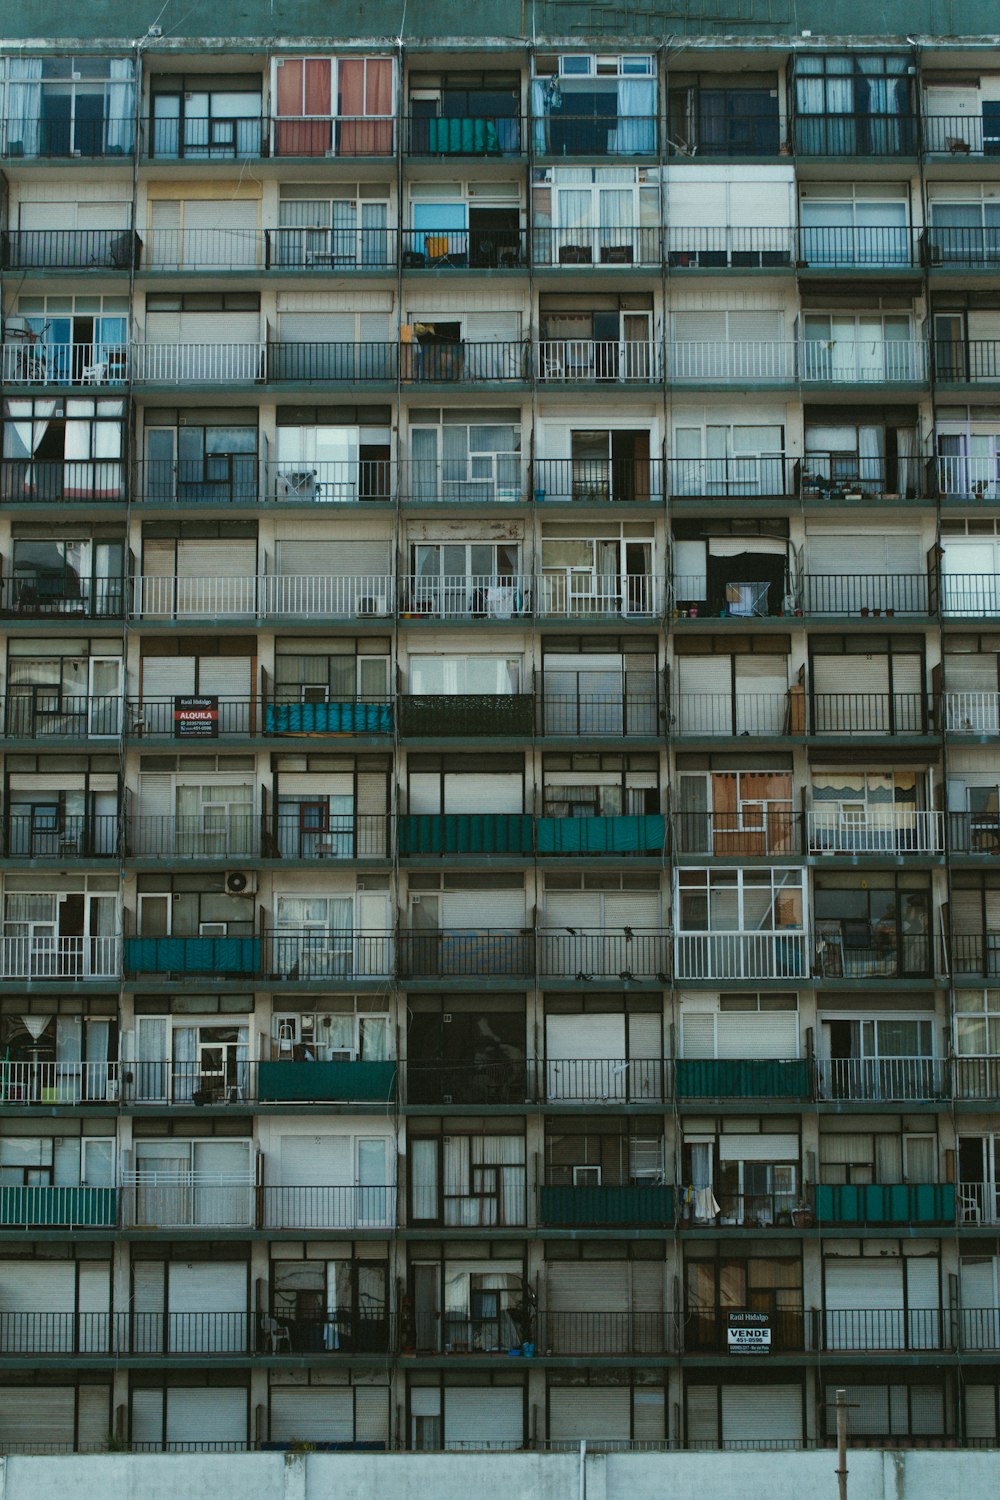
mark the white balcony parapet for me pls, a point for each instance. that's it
(877, 831)
(199, 364)
(741, 955)
(39, 956)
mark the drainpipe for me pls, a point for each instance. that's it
(582, 1494)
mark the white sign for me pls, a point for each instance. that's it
(749, 1333)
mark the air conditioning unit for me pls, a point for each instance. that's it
(373, 604)
(240, 882)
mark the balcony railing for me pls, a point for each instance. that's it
(561, 133)
(712, 1078)
(482, 479)
(863, 593)
(68, 249)
(344, 135)
(752, 833)
(34, 363)
(357, 247)
(711, 360)
(956, 361)
(976, 953)
(757, 714)
(755, 474)
(93, 1334)
(464, 249)
(232, 956)
(882, 1328)
(199, 364)
(904, 956)
(595, 481)
(236, 717)
(590, 245)
(254, 597)
(972, 594)
(331, 482)
(863, 361)
(606, 1080)
(971, 712)
(589, 361)
(855, 134)
(881, 1078)
(976, 1077)
(595, 953)
(569, 593)
(875, 831)
(38, 956)
(958, 136)
(974, 833)
(203, 836)
(23, 1207)
(27, 137)
(30, 481)
(502, 361)
(324, 1207)
(741, 955)
(466, 135)
(46, 713)
(428, 834)
(604, 1334)
(282, 1080)
(629, 1205)
(77, 598)
(476, 715)
(894, 1203)
(964, 247)
(291, 954)
(837, 476)
(75, 836)
(612, 715)
(177, 1199)
(215, 479)
(728, 247)
(46, 1082)
(203, 250)
(510, 1081)
(445, 954)
(869, 713)
(857, 246)
(979, 1203)
(198, 138)
(968, 478)
(472, 595)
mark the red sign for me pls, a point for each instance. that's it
(196, 718)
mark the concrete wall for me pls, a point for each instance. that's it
(947, 1475)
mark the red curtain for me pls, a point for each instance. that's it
(365, 106)
(303, 104)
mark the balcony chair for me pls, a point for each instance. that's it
(275, 1334)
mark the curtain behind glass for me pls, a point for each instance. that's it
(24, 105)
(121, 107)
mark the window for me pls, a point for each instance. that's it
(70, 106)
(594, 106)
(466, 457)
(62, 449)
(206, 117)
(853, 104)
(318, 230)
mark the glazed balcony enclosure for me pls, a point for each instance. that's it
(745, 923)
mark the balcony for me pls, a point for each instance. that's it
(978, 1203)
(484, 596)
(603, 1335)
(484, 952)
(44, 957)
(598, 953)
(466, 715)
(68, 250)
(976, 954)
(975, 713)
(881, 1080)
(471, 135)
(264, 596)
(590, 245)
(870, 714)
(729, 247)
(228, 957)
(898, 1203)
(974, 833)
(353, 248)
(331, 482)
(47, 1082)
(748, 834)
(601, 715)
(249, 1082)
(362, 716)
(737, 361)
(568, 593)
(223, 137)
(328, 1207)
(867, 953)
(215, 479)
(588, 481)
(423, 834)
(858, 247)
(25, 138)
(217, 364)
(879, 361)
(874, 831)
(236, 717)
(855, 134)
(464, 249)
(510, 1081)
(29, 481)
(958, 136)
(976, 1077)
(309, 955)
(37, 596)
(759, 715)
(709, 1078)
(180, 1199)
(961, 247)
(95, 1335)
(46, 713)
(628, 1205)
(641, 834)
(851, 478)
(846, 1330)
(763, 475)
(58, 1207)
(464, 362)
(560, 133)
(863, 594)
(28, 361)
(597, 361)
(606, 1080)
(968, 361)
(961, 478)
(741, 955)
(970, 595)
(495, 478)
(178, 250)
(343, 136)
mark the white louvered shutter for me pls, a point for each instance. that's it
(648, 1415)
(167, 676)
(703, 1416)
(38, 1416)
(94, 1305)
(487, 1416)
(864, 1303)
(572, 909)
(371, 1414)
(704, 692)
(752, 1412)
(149, 1291)
(208, 1306)
(316, 1161)
(592, 1412)
(93, 1417)
(311, 1415)
(698, 1033)
(773, 1033)
(474, 909)
(147, 1417)
(484, 793)
(923, 1299)
(216, 1414)
(761, 692)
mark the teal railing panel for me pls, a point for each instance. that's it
(328, 718)
(741, 1078)
(629, 1204)
(305, 1081)
(889, 1203)
(637, 835)
(58, 1207)
(192, 955)
(465, 833)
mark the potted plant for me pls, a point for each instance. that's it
(803, 1216)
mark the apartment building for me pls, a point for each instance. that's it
(499, 712)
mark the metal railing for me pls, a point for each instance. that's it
(259, 596)
(728, 360)
(862, 361)
(559, 133)
(47, 1082)
(741, 955)
(198, 138)
(31, 481)
(753, 474)
(44, 1207)
(604, 1334)
(573, 593)
(217, 837)
(156, 718)
(710, 714)
(80, 835)
(837, 476)
(199, 364)
(973, 832)
(966, 359)
(855, 134)
(881, 1078)
(863, 593)
(27, 362)
(509, 1081)
(598, 714)
(342, 135)
(463, 249)
(725, 132)
(754, 1210)
(483, 596)
(870, 713)
(596, 953)
(356, 247)
(466, 135)
(970, 478)
(238, 1081)
(46, 713)
(331, 481)
(974, 594)
(177, 1199)
(875, 831)
(976, 953)
(157, 1334)
(957, 135)
(321, 1207)
(979, 1203)
(209, 835)
(38, 956)
(971, 712)
(65, 597)
(28, 137)
(484, 478)
(291, 954)
(975, 1077)
(728, 247)
(68, 249)
(216, 479)
(909, 955)
(882, 1328)
(604, 1080)
(466, 715)
(203, 250)
(967, 247)
(590, 245)
(584, 361)
(487, 952)
(750, 833)
(597, 481)
(861, 246)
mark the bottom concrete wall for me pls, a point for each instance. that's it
(874, 1475)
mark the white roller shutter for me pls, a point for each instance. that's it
(486, 1416)
(849, 673)
(220, 232)
(573, 1044)
(316, 327)
(572, 909)
(923, 1299)
(763, 202)
(225, 676)
(761, 688)
(702, 1416)
(593, 1412)
(698, 1033)
(149, 1281)
(208, 1306)
(38, 1416)
(147, 1417)
(968, 576)
(371, 1414)
(639, 910)
(754, 1412)
(758, 1147)
(316, 1161)
(217, 328)
(213, 1414)
(773, 1033)
(978, 1296)
(94, 1305)
(166, 676)
(339, 559)
(491, 327)
(695, 201)
(981, 1412)
(864, 1303)
(484, 793)
(648, 1415)
(312, 1415)
(590, 1286)
(93, 1420)
(474, 909)
(37, 1286)
(704, 690)
(156, 795)
(230, 559)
